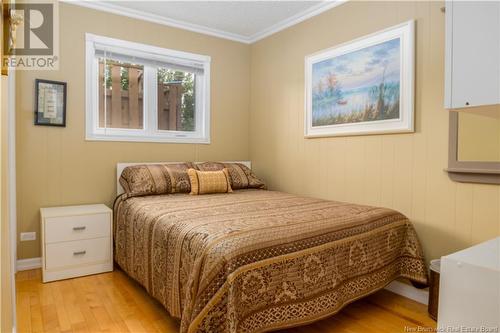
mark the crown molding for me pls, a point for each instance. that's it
(145, 16)
(296, 19)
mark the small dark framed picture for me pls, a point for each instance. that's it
(50, 103)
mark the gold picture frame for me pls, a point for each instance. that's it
(4, 22)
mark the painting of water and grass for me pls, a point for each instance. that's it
(360, 86)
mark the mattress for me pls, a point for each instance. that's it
(257, 260)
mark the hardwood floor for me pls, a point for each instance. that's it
(112, 302)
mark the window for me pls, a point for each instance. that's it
(138, 92)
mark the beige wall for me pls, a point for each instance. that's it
(479, 134)
(403, 171)
(56, 166)
(5, 272)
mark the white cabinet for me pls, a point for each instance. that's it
(76, 241)
(472, 74)
(469, 289)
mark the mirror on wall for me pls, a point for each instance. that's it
(474, 150)
(479, 135)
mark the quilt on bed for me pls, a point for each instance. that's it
(257, 260)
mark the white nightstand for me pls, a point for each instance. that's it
(76, 241)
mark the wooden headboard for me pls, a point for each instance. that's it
(121, 166)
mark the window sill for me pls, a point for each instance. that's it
(154, 139)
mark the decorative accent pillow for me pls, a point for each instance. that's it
(240, 175)
(205, 182)
(149, 179)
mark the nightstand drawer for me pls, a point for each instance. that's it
(68, 228)
(67, 254)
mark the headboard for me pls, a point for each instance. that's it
(121, 166)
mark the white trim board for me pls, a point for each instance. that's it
(145, 16)
(27, 264)
(12, 198)
(408, 291)
(296, 19)
(400, 288)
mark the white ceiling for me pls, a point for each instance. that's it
(243, 21)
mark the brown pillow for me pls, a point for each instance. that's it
(240, 175)
(149, 179)
(205, 182)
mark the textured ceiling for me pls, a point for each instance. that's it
(243, 18)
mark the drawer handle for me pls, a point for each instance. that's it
(79, 228)
(79, 253)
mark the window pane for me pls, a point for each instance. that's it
(121, 88)
(176, 100)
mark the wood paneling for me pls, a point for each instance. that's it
(400, 171)
(112, 302)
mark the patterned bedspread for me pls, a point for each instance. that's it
(256, 260)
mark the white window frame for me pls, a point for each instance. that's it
(150, 131)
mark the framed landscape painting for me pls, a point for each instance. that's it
(362, 87)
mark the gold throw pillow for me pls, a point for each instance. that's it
(205, 182)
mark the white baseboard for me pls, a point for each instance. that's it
(26, 264)
(408, 291)
(400, 288)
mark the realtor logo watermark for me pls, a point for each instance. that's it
(31, 35)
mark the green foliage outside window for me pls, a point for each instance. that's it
(188, 98)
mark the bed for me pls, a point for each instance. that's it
(256, 260)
